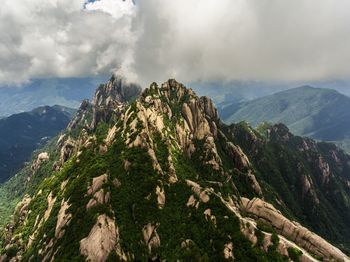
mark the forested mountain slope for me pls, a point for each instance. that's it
(22, 133)
(322, 114)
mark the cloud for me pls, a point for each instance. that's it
(62, 38)
(117, 9)
(191, 40)
(244, 39)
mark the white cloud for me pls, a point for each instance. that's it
(44, 38)
(188, 39)
(244, 39)
(115, 8)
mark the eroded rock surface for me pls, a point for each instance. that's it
(101, 240)
(291, 230)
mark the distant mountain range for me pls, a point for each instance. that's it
(226, 93)
(319, 113)
(67, 92)
(22, 133)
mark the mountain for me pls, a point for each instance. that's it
(67, 92)
(154, 175)
(21, 134)
(322, 114)
(224, 93)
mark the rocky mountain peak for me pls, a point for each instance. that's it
(110, 98)
(178, 97)
(192, 117)
(170, 91)
(117, 90)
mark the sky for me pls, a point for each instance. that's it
(190, 40)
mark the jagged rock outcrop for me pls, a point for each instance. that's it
(108, 101)
(67, 150)
(301, 236)
(200, 116)
(99, 196)
(237, 155)
(150, 236)
(42, 157)
(110, 98)
(63, 219)
(100, 241)
(82, 116)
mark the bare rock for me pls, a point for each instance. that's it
(292, 230)
(63, 219)
(239, 158)
(324, 169)
(50, 202)
(151, 236)
(228, 251)
(101, 240)
(211, 154)
(160, 197)
(202, 194)
(42, 157)
(80, 118)
(192, 202)
(97, 183)
(67, 150)
(99, 198)
(254, 183)
(308, 188)
(110, 98)
(209, 108)
(110, 136)
(209, 217)
(186, 244)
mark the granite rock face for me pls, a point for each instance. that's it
(301, 236)
(111, 97)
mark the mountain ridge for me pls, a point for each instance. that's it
(39, 92)
(315, 112)
(22, 133)
(161, 177)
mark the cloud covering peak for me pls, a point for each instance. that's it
(187, 39)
